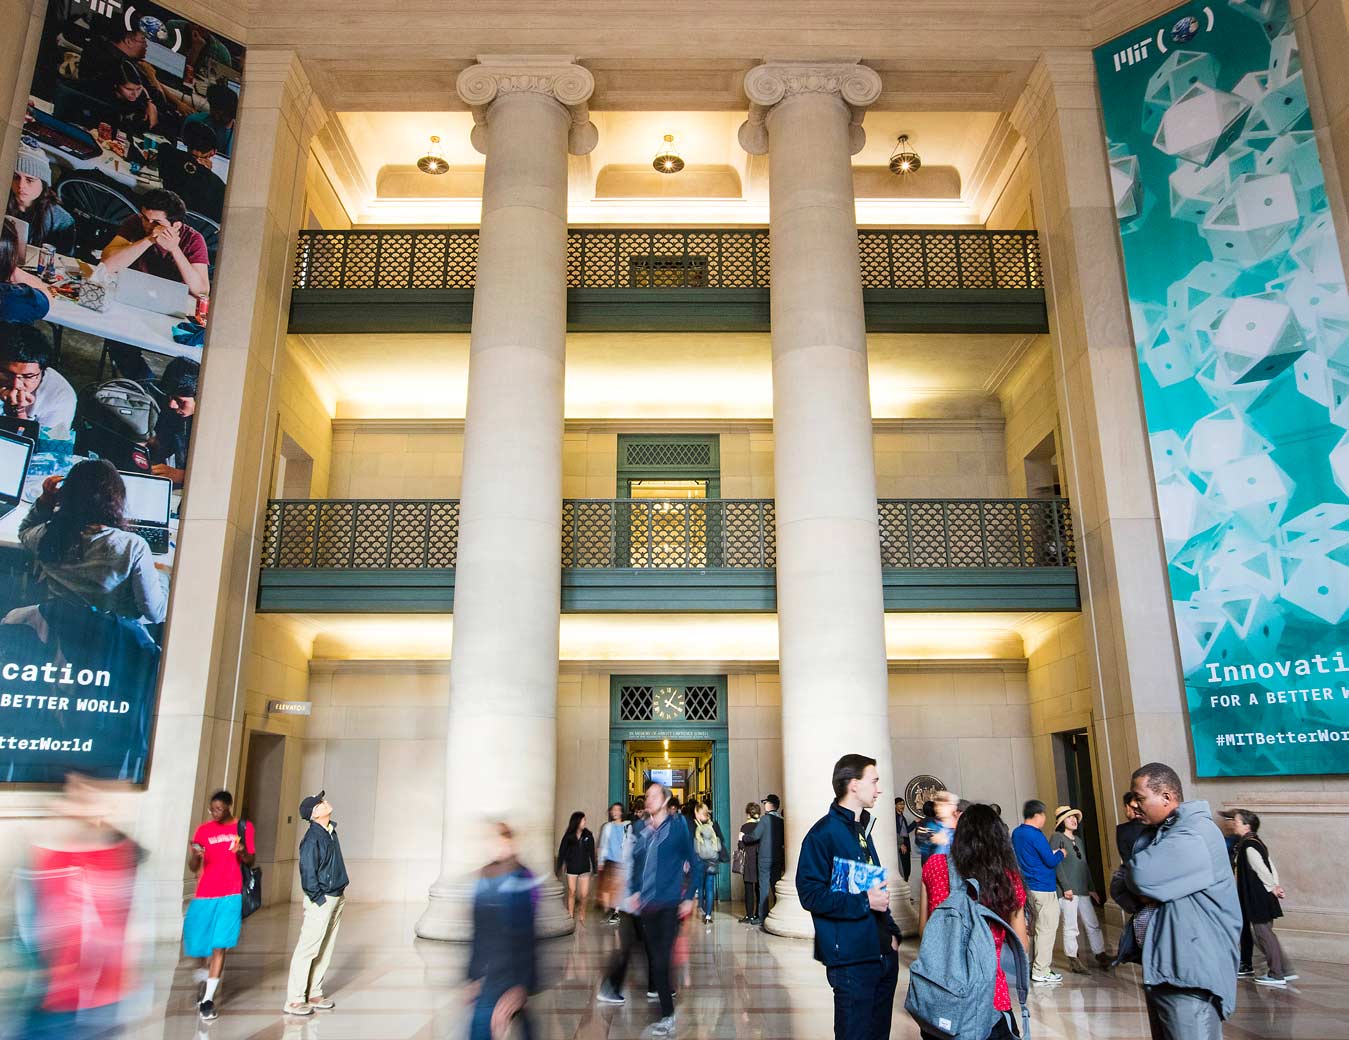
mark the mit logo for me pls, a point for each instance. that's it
(106, 8)
(1183, 31)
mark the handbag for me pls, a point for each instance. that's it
(252, 878)
(738, 860)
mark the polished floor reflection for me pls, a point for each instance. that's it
(741, 983)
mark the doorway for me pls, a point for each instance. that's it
(1072, 761)
(684, 766)
(261, 801)
(672, 728)
(669, 487)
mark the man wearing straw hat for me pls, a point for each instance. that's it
(1077, 898)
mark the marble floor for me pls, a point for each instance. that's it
(743, 984)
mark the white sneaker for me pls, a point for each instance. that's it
(664, 1028)
(1047, 978)
(606, 995)
(1292, 978)
(1271, 980)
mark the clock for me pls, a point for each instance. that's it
(668, 703)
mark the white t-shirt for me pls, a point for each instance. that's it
(54, 404)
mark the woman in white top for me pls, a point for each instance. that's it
(1259, 890)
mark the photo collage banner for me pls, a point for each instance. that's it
(108, 252)
(1241, 323)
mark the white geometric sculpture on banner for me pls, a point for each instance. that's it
(1201, 124)
(1125, 185)
(1253, 489)
(1258, 338)
(1176, 75)
(1221, 437)
(1250, 221)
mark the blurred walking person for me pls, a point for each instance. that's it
(747, 862)
(323, 879)
(710, 848)
(220, 848)
(613, 836)
(1259, 890)
(576, 857)
(630, 931)
(73, 902)
(502, 965)
(1077, 897)
(662, 862)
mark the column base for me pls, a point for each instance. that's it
(788, 917)
(448, 916)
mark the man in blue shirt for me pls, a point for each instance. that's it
(1037, 862)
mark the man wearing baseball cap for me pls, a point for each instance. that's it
(770, 835)
(323, 876)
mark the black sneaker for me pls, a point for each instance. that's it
(206, 1009)
(1245, 972)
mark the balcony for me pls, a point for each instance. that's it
(679, 280)
(643, 555)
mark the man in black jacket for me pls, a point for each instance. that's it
(323, 877)
(770, 836)
(855, 936)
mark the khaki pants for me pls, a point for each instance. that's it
(1046, 928)
(314, 949)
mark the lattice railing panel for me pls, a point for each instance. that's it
(963, 533)
(668, 533)
(700, 703)
(623, 258)
(634, 703)
(667, 454)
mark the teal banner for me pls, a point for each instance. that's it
(1241, 322)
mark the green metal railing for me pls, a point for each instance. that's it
(689, 258)
(648, 534)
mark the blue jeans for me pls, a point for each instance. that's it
(707, 888)
(480, 1028)
(864, 997)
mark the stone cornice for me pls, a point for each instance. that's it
(555, 77)
(853, 83)
(1061, 79)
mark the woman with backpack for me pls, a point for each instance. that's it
(981, 852)
(708, 846)
(576, 856)
(221, 848)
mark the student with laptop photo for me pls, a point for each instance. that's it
(84, 555)
(23, 298)
(29, 388)
(173, 430)
(156, 241)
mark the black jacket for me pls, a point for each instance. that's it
(847, 930)
(771, 837)
(322, 872)
(503, 952)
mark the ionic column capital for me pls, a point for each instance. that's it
(557, 78)
(767, 85)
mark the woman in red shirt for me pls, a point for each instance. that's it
(983, 852)
(220, 848)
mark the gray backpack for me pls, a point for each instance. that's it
(951, 983)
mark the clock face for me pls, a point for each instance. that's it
(668, 702)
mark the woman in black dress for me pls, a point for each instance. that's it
(749, 871)
(576, 856)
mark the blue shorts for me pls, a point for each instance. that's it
(212, 924)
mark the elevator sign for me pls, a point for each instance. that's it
(1241, 326)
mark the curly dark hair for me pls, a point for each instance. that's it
(983, 852)
(92, 493)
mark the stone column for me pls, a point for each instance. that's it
(199, 726)
(19, 43)
(502, 744)
(831, 621)
(1138, 701)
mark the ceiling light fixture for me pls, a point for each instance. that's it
(434, 161)
(904, 160)
(667, 158)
